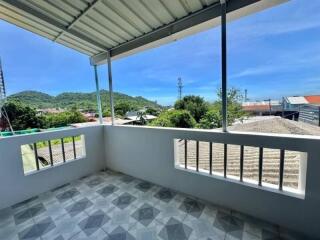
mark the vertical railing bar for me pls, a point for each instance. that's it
(197, 155)
(260, 165)
(225, 155)
(210, 157)
(282, 154)
(74, 148)
(36, 155)
(63, 153)
(50, 153)
(185, 153)
(241, 162)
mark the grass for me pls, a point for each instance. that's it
(43, 144)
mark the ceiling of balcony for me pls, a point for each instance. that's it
(96, 26)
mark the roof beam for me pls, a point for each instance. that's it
(201, 16)
(164, 34)
(77, 19)
(53, 22)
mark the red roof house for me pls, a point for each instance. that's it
(315, 99)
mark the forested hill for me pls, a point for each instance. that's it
(80, 100)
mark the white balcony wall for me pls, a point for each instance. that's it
(15, 186)
(148, 153)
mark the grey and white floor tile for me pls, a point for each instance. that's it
(111, 206)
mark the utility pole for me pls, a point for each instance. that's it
(2, 86)
(245, 95)
(180, 86)
(319, 117)
(3, 112)
(282, 107)
(269, 100)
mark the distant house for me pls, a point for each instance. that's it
(294, 103)
(134, 116)
(50, 110)
(313, 99)
(261, 108)
(89, 115)
(306, 107)
(106, 120)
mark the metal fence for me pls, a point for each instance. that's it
(262, 166)
(38, 155)
(310, 114)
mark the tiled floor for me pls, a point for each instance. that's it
(114, 206)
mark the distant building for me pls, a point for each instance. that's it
(304, 108)
(294, 103)
(134, 116)
(313, 99)
(106, 120)
(262, 108)
(50, 110)
(89, 115)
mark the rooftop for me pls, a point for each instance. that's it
(277, 125)
(314, 99)
(296, 100)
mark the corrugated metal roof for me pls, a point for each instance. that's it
(256, 108)
(296, 100)
(266, 103)
(119, 26)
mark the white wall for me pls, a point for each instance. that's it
(16, 187)
(148, 153)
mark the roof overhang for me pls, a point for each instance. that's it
(122, 28)
(194, 23)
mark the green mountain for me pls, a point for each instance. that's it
(80, 100)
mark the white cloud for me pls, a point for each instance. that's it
(259, 70)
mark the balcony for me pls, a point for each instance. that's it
(131, 182)
(127, 182)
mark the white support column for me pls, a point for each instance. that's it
(110, 88)
(302, 171)
(98, 94)
(224, 64)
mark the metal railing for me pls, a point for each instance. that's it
(52, 152)
(310, 114)
(260, 158)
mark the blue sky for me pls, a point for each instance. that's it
(273, 53)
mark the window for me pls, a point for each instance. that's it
(42, 154)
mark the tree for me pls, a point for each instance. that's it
(21, 116)
(152, 111)
(194, 104)
(85, 101)
(213, 118)
(64, 119)
(122, 108)
(106, 113)
(234, 107)
(175, 118)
